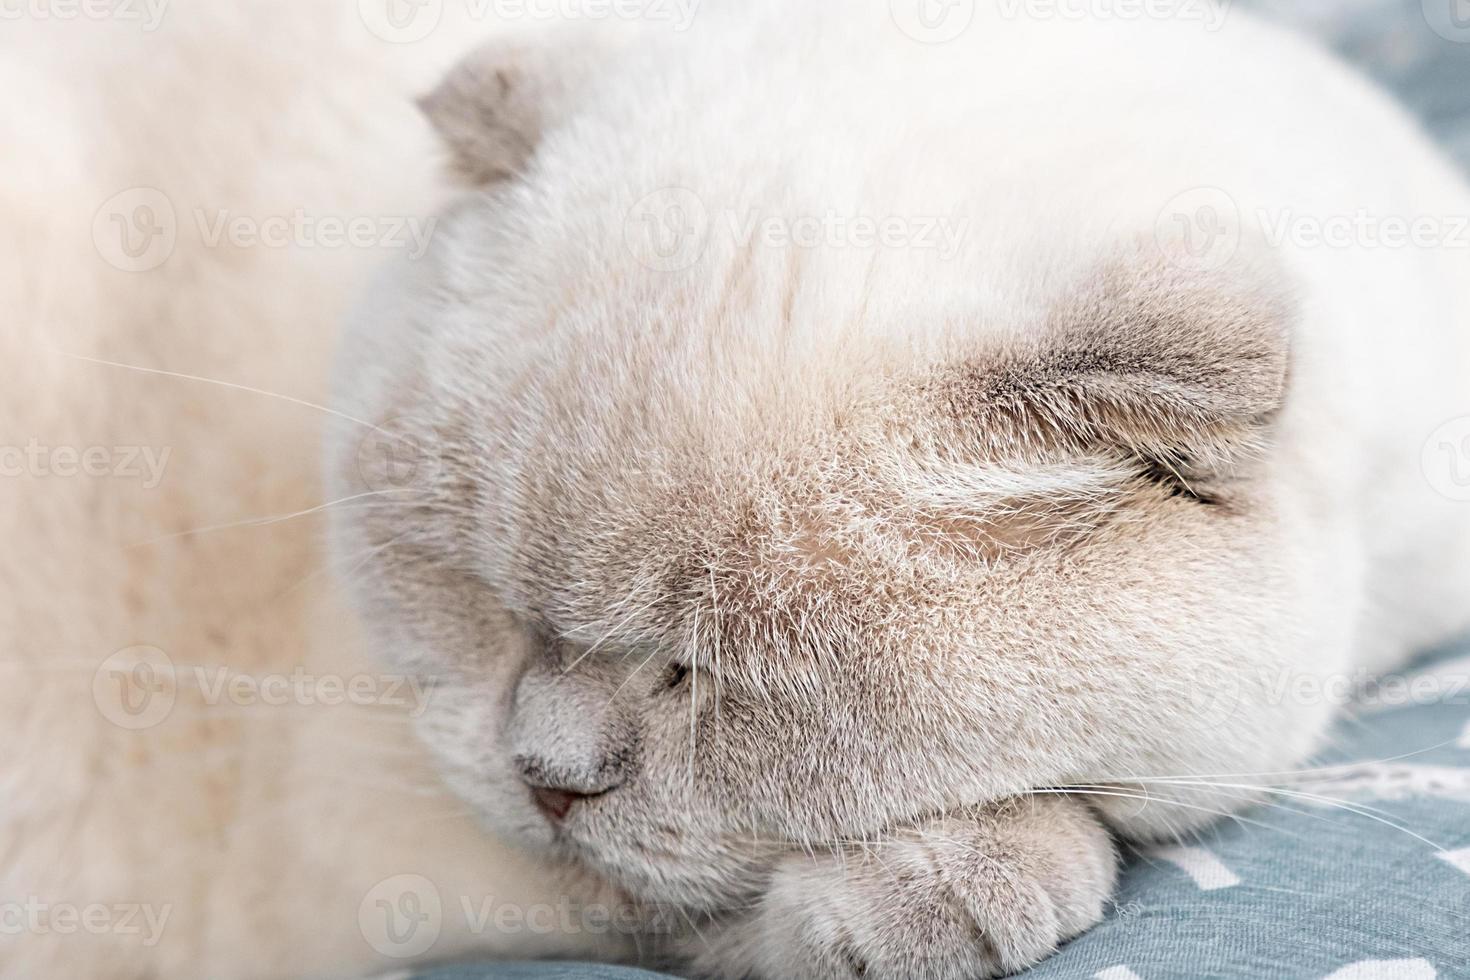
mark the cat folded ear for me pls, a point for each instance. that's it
(493, 107)
(1146, 356)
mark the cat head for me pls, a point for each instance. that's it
(715, 546)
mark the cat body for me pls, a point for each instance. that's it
(835, 442)
(808, 470)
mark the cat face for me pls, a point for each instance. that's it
(791, 545)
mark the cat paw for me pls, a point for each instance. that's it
(981, 894)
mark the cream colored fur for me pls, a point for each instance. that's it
(259, 829)
(605, 439)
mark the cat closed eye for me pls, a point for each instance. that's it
(675, 677)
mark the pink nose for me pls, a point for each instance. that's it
(554, 803)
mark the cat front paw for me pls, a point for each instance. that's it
(981, 894)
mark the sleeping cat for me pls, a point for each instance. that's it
(848, 594)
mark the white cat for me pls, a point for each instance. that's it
(854, 471)
(890, 227)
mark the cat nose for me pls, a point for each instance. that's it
(553, 796)
(554, 803)
(569, 738)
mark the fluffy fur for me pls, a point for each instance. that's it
(252, 832)
(769, 549)
(904, 517)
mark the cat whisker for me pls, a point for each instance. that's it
(347, 574)
(1111, 791)
(1312, 771)
(592, 648)
(1346, 805)
(693, 723)
(226, 384)
(634, 674)
(262, 521)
